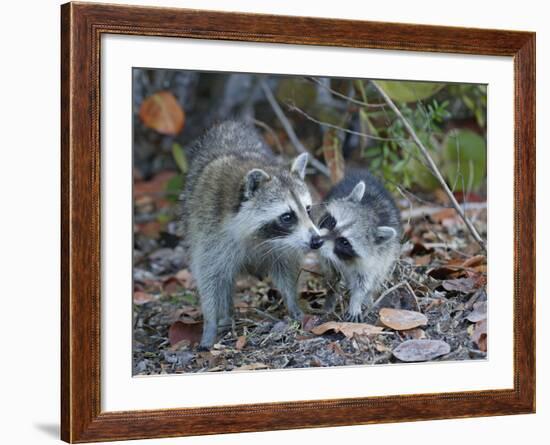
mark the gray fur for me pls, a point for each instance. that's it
(367, 217)
(236, 191)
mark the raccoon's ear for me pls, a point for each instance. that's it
(357, 193)
(253, 180)
(384, 234)
(299, 165)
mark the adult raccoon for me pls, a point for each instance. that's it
(361, 227)
(244, 211)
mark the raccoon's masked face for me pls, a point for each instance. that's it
(351, 238)
(276, 209)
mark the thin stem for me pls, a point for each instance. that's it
(322, 168)
(432, 166)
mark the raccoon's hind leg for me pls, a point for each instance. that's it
(215, 287)
(226, 311)
(285, 279)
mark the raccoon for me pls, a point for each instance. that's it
(361, 226)
(244, 211)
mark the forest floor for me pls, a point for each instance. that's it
(433, 306)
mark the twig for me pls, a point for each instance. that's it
(432, 166)
(271, 131)
(322, 168)
(266, 315)
(292, 107)
(344, 96)
(420, 212)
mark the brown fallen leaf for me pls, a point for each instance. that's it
(240, 343)
(400, 319)
(309, 322)
(464, 285)
(416, 333)
(171, 285)
(475, 261)
(251, 367)
(348, 329)
(444, 215)
(142, 297)
(479, 335)
(420, 350)
(420, 248)
(423, 260)
(332, 152)
(446, 272)
(149, 229)
(180, 330)
(186, 279)
(479, 312)
(155, 186)
(162, 112)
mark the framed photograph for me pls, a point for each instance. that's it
(275, 222)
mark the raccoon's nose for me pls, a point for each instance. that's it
(316, 242)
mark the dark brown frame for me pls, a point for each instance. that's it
(81, 27)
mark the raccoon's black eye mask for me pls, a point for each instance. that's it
(328, 222)
(343, 249)
(282, 226)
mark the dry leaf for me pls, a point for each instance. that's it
(163, 113)
(479, 335)
(446, 272)
(475, 261)
(171, 285)
(180, 330)
(186, 279)
(240, 343)
(416, 333)
(155, 186)
(420, 248)
(423, 260)
(309, 322)
(400, 319)
(332, 152)
(251, 367)
(348, 329)
(421, 350)
(479, 313)
(444, 215)
(464, 285)
(142, 297)
(149, 229)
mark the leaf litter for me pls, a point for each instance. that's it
(432, 307)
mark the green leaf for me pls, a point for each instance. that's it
(179, 157)
(405, 91)
(174, 187)
(465, 159)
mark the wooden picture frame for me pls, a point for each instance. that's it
(82, 26)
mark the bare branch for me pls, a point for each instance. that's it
(271, 131)
(345, 97)
(432, 166)
(421, 212)
(322, 168)
(336, 127)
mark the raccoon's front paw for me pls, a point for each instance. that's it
(354, 317)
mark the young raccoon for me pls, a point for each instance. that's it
(361, 227)
(244, 212)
